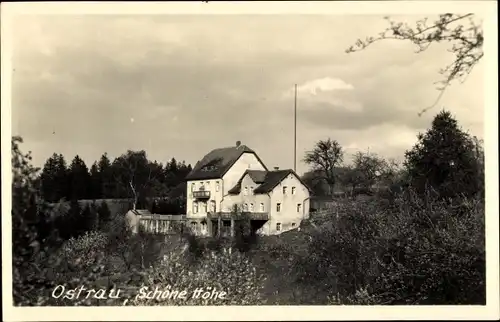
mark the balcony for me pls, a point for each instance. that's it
(201, 194)
(250, 215)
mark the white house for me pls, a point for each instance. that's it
(275, 201)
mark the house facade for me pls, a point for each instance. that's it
(234, 181)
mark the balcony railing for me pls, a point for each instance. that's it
(249, 215)
(201, 194)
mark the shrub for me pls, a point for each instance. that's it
(244, 238)
(195, 246)
(360, 297)
(82, 250)
(215, 244)
(227, 271)
(417, 250)
(135, 250)
(104, 214)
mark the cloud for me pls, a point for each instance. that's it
(317, 87)
(326, 84)
(197, 82)
(325, 93)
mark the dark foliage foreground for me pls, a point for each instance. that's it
(410, 251)
(424, 244)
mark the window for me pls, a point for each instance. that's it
(299, 207)
(192, 186)
(217, 186)
(246, 191)
(195, 207)
(203, 207)
(278, 207)
(284, 190)
(293, 224)
(212, 205)
(293, 190)
(278, 226)
(262, 207)
(207, 185)
(251, 207)
(245, 207)
(251, 190)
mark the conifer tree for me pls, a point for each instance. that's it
(444, 158)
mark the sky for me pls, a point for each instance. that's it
(182, 85)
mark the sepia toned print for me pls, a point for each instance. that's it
(240, 160)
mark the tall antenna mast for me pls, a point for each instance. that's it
(295, 133)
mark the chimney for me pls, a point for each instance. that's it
(276, 168)
(238, 143)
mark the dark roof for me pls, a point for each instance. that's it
(236, 189)
(267, 180)
(258, 176)
(273, 178)
(216, 163)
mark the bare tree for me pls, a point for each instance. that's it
(460, 30)
(134, 172)
(370, 167)
(325, 158)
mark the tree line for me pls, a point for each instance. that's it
(130, 175)
(445, 159)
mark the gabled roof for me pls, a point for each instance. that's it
(257, 176)
(273, 178)
(268, 180)
(236, 189)
(217, 162)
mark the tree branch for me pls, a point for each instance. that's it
(467, 48)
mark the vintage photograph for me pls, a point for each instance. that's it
(246, 159)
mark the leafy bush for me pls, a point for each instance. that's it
(417, 250)
(82, 250)
(104, 215)
(195, 246)
(226, 271)
(31, 233)
(244, 236)
(135, 250)
(360, 297)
